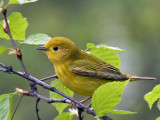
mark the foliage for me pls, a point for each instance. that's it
(2, 49)
(20, 1)
(153, 96)
(18, 25)
(37, 39)
(158, 118)
(6, 106)
(105, 97)
(105, 53)
(64, 116)
(60, 106)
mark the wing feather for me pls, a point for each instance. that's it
(97, 69)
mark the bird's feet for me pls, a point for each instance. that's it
(82, 101)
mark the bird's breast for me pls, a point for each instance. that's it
(84, 85)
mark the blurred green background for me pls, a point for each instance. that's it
(133, 25)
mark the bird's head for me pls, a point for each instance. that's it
(60, 49)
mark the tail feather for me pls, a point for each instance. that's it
(135, 78)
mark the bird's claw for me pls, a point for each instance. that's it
(72, 104)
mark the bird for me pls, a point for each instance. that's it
(80, 71)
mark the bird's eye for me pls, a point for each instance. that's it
(55, 48)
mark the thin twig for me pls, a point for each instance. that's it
(50, 100)
(39, 96)
(4, 11)
(17, 107)
(105, 118)
(53, 76)
(80, 115)
(37, 110)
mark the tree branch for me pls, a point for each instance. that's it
(9, 70)
(44, 85)
(37, 110)
(80, 115)
(53, 76)
(50, 100)
(39, 96)
(4, 11)
(19, 55)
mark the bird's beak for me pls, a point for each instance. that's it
(41, 48)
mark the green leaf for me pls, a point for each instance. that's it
(2, 49)
(60, 106)
(158, 118)
(1, 3)
(64, 116)
(106, 97)
(1, 6)
(152, 96)
(108, 47)
(37, 39)
(122, 112)
(90, 46)
(105, 53)
(6, 106)
(158, 104)
(20, 1)
(13, 2)
(17, 25)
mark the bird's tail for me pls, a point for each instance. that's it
(136, 78)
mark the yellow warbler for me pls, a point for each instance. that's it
(80, 71)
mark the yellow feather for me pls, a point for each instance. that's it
(79, 71)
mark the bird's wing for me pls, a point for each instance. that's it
(97, 69)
